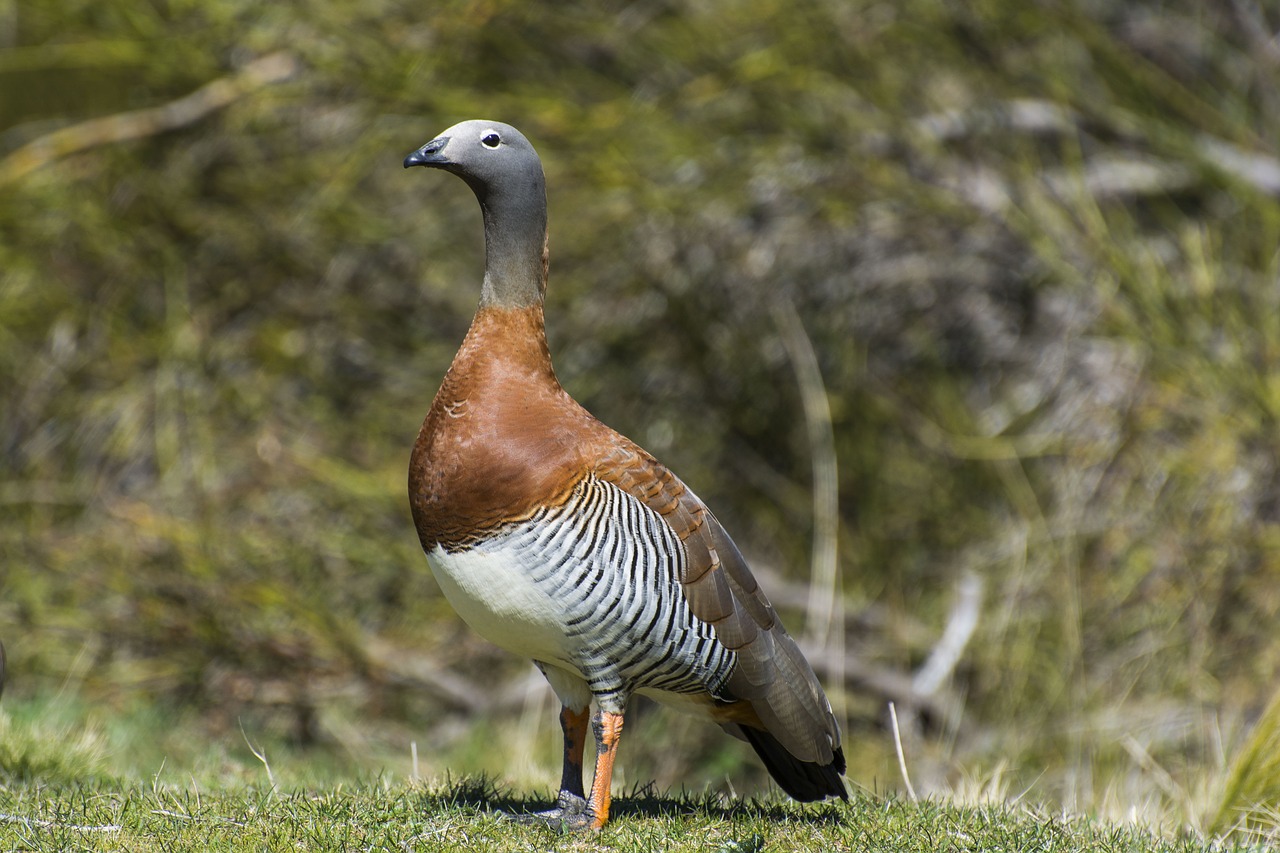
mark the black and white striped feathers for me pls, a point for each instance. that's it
(591, 587)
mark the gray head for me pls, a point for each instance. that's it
(504, 172)
(489, 155)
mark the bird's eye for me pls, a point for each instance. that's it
(490, 140)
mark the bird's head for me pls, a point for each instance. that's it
(490, 156)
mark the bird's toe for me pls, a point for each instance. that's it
(571, 814)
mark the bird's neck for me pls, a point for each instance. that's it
(510, 341)
(515, 240)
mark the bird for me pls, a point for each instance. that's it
(560, 540)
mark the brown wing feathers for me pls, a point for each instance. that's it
(707, 590)
(791, 725)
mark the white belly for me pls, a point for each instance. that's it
(493, 593)
(591, 588)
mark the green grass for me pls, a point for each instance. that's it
(142, 780)
(470, 815)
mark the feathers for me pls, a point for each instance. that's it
(770, 672)
(802, 780)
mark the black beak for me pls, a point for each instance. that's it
(429, 154)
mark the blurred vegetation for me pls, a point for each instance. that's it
(1033, 246)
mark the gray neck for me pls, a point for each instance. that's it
(515, 237)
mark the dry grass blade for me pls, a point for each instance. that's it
(824, 588)
(902, 758)
(1252, 787)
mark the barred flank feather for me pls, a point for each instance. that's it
(612, 568)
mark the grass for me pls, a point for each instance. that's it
(470, 815)
(143, 780)
(1251, 788)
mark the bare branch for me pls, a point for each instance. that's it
(1261, 171)
(886, 683)
(393, 666)
(961, 624)
(137, 124)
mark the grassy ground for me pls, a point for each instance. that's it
(139, 781)
(470, 816)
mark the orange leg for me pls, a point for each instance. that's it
(608, 729)
(572, 812)
(574, 726)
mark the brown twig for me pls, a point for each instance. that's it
(137, 124)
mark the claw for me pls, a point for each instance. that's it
(571, 814)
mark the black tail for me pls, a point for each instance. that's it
(805, 781)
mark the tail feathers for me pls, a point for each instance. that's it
(805, 781)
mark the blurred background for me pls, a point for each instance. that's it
(963, 317)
